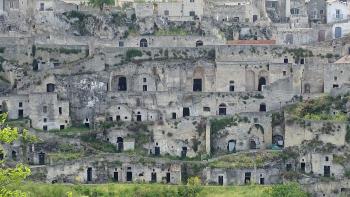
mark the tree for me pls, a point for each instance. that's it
(100, 3)
(12, 176)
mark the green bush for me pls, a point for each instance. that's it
(288, 190)
(132, 53)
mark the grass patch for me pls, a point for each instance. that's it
(159, 190)
(98, 144)
(248, 160)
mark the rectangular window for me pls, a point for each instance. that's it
(144, 80)
(144, 88)
(192, 13)
(60, 110)
(20, 104)
(166, 12)
(45, 127)
(45, 109)
(191, 1)
(207, 109)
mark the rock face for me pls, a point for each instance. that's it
(240, 89)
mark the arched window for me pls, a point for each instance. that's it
(222, 109)
(143, 43)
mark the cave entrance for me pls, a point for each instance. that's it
(154, 177)
(115, 176)
(221, 180)
(184, 152)
(89, 174)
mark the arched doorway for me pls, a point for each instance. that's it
(199, 43)
(262, 82)
(143, 42)
(222, 109)
(122, 84)
(231, 146)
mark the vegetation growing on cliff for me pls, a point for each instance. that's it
(321, 109)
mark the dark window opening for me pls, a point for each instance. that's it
(186, 112)
(184, 152)
(222, 109)
(118, 118)
(335, 86)
(44, 109)
(20, 104)
(157, 151)
(255, 18)
(307, 88)
(122, 84)
(173, 115)
(327, 158)
(1, 155)
(289, 167)
(285, 60)
(87, 124)
(302, 61)
(232, 88)
(61, 127)
(41, 158)
(327, 171)
(89, 174)
(284, 73)
(138, 118)
(45, 127)
(60, 110)
(197, 85)
(50, 87)
(14, 155)
(302, 167)
(144, 88)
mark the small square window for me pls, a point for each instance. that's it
(20, 104)
(144, 80)
(61, 127)
(121, 44)
(45, 119)
(284, 73)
